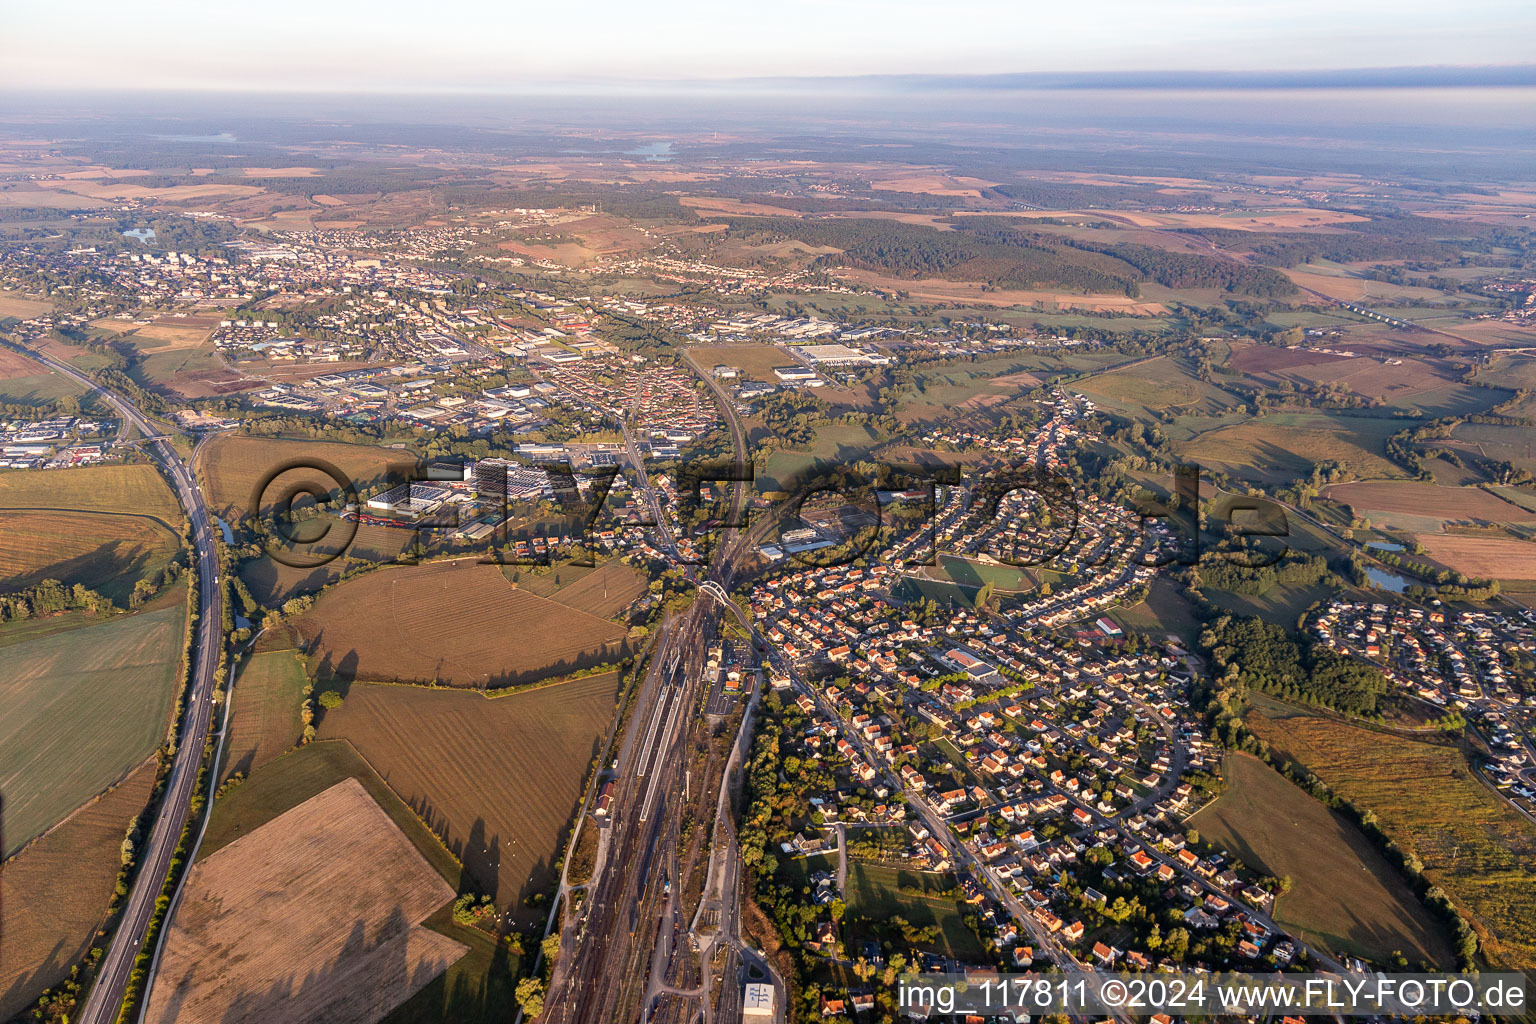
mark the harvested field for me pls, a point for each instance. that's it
(332, 889)
(1270, 358)
(1377, 500)
(460, 623)
(605, 592)
(105, 552)
(272, 582)
(138, 488)
(83, 708)
(22, 307)
(1345, 896)
(1472, 843)
(57, 890)
(14, 364)
(159, 335)
(233, 465)
(1495, 558)
(264, 719)
(498, 779)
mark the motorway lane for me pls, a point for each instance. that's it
(106, 993)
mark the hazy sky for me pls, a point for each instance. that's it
(486, 44)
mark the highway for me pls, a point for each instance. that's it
(106, 993)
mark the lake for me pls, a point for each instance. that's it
(1387, 580)
(142, 234)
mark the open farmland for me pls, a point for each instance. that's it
(233, 465)
(105, 552)
(332, 885)
(57, 889)
(1493, 558)
(460, 623)
(477, 989)
(138, 489)
(1473, 844)
(273, 582)
(1281, 446)
(83, 708)
(40, 388)
(1344, 896)
(264, 718)
(22, 307)
(1512, 444)
(1150, 387)
(606, 592)
(1379, 500)
(497, 778)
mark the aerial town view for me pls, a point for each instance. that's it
(814, 514)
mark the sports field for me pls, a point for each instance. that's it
(498, 779)
(460, 623)
(82, 709)
(313, 916)
(1472, 843)
(57, 890)
(1345, 897)
(104, 551)
(264, 718)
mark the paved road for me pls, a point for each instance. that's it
(106, 994)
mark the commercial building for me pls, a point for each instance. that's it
(757, 1002)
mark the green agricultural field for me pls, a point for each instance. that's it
(1516, 445)
(1148, 389)
(83, 708)
(875, 895)
(37, 388)
(1472, 843)
(478, 988)
(138, 489)
(1344, 896)
(264, 718)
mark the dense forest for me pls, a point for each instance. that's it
(1265, 657)
(999, 252)
(909, 250)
